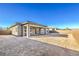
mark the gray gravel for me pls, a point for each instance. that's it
(21, 46)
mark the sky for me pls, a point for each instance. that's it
(60, 15)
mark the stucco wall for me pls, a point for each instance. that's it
(19, 30)
(32, 31)
(16, 30)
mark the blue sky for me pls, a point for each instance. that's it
(57, 15)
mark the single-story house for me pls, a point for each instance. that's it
(28, 29)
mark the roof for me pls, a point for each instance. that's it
(28, 22)
(51, 27)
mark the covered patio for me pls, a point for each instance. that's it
(34, 29)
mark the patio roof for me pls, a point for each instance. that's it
(28, 22)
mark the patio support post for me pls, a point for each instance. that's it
(47, 30)
(44, 31)
(28, 30)
(39, 30)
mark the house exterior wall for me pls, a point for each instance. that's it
(31, 29)
(24, 31)
(42, 31)
(47, 31)
(19, 29)
(16, 30)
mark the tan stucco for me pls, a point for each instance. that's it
(16, 30)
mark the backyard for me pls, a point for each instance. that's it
(37, 46)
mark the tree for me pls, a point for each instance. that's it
(67, 28)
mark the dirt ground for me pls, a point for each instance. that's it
(21, 46)
(75, 34)
(65, 42)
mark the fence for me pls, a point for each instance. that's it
(5, 32)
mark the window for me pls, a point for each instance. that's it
(31, 29)
(25, 27)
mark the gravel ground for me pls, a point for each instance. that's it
(21, 46)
